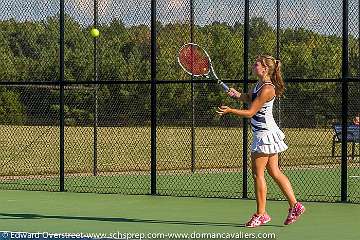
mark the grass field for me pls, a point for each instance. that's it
(29, 159)
(29, 150)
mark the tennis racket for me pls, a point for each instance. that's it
(196, 62)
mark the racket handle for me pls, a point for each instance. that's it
(224, 86)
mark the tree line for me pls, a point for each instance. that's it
(30, 52)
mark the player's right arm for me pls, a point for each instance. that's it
(242, 97)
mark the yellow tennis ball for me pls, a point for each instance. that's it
(94, 32)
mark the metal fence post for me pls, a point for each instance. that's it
(193, 163)
(61, 82)
(278, 12)
(96, 89)
(153, 97)
(345, 98)
(245, 89)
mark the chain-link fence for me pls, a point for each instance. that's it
(116, 113)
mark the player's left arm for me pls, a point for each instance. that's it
(267, 93)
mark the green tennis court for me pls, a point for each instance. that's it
(56, 212)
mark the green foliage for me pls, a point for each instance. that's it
(29, 51)
(11, 109)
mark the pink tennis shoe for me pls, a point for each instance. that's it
(258, 220)
(294, 213)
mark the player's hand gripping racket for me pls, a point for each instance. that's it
(196, 62)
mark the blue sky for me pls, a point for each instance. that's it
(322, 16)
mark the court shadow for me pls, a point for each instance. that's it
(125, 220)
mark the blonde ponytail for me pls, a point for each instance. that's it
(278, 80)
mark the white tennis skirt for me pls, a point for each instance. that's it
(269, 142)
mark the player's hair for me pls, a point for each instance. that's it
(274, 66)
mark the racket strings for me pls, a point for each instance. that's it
(194, 60)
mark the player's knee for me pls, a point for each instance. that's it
(275, 173)
(258, 176)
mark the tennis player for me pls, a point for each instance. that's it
(268, 139)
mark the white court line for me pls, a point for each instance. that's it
(354, 176)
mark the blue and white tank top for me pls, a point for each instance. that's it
(263, 120)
